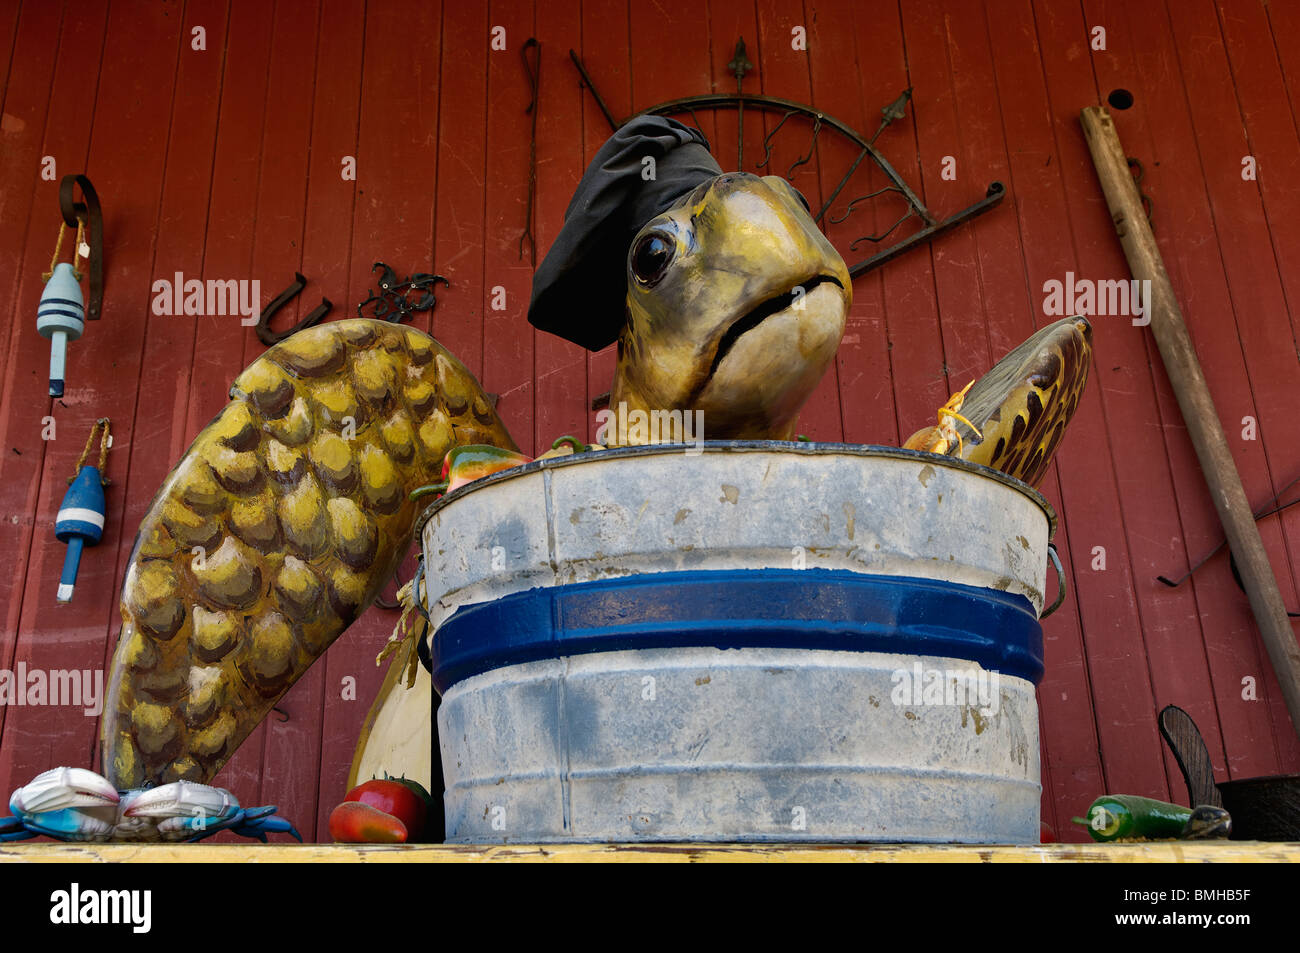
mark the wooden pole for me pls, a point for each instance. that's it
(1196, 404)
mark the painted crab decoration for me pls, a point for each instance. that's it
(73, 804)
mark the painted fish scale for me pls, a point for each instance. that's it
(276, 529)
(1023, 405)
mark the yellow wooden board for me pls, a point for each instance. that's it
(1233, 852)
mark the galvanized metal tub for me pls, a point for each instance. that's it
(758, 641)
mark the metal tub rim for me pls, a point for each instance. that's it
(801, 448)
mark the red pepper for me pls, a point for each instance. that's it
(355, 823)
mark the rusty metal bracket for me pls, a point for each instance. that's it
(1135, 166)
(931, 225)
(996, 193)
(586, 81)
(739, 66)
(1267, 510)
(76, 214)
(534, 71)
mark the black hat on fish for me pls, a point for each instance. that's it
(580, 286)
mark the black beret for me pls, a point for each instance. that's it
(580, 286)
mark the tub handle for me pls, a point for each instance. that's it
(1060, 581)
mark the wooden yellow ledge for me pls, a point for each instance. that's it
(1161, 853)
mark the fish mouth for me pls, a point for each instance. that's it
(765, 310)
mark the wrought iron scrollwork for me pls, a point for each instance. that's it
(740, 101)
(399, 300)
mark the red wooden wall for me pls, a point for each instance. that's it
(225, 163)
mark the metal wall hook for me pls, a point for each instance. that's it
(88, 212)
(269, 337)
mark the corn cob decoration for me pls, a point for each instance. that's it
(1012, 419)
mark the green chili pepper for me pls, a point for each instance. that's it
(432, 489)
(1113, 816)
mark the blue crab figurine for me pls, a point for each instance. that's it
(73, 804)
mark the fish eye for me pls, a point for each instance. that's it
(651, 256)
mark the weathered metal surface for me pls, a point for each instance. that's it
(705, 742)
(702, 744)
(754, 505)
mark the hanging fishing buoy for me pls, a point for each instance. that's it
(61, 318)
(81, 516)
(62, 314)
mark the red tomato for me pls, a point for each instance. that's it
(1045, 833)
(395, 798)
(356, 823)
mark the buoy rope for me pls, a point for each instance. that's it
(77, 256)
(104, 443)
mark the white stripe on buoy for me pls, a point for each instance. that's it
(65, 592)
(81, 514)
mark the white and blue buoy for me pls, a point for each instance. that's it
(61, 318)
(80, 522)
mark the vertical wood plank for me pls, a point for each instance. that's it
(1162, 133)
(865, 358)
(1271, 129)
(605, 48)
(729, 21)
(993, 275)
(232, 217)
(330, 251)
(29, 220)
(915, 343)
(561, 367)
(1040, 62)
(397, 89)
(791, 74)
(1257, 296)
(103, 372)
(291, 753)
(1128, 382)
(508, 348)
(152, 438)
(462, 157)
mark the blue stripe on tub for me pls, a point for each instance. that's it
(744, 608)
